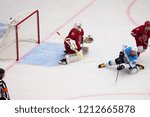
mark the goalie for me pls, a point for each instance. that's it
(73, 45)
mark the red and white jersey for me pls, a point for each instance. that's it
(77, 36)
(141, 36)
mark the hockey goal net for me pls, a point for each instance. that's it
(21, 35)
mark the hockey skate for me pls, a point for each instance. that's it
(65, 52)
(140, 66)
(63, 62)
(101, 65)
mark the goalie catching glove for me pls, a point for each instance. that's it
(88, 39)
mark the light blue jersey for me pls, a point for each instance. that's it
(130, 60)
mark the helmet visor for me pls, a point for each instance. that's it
(133, 53)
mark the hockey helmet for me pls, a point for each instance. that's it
(77, 25)
(133, 51)
(147, 23)
(2, 71)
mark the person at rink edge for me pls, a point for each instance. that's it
(73, 41)
(127, 59)
(4, 95)
(141, 35)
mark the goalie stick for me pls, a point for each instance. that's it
(77, 52)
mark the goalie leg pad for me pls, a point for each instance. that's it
(72, 58)
(85, 51)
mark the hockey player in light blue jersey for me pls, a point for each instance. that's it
(127, 59)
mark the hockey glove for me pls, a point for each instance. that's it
(120, 67)
(88, 39)
(121, 55)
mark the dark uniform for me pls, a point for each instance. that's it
(4, 95)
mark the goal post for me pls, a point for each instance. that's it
(36, 12)
(22, 28)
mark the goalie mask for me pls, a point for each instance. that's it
(77, 26)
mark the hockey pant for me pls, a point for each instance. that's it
(118, 61)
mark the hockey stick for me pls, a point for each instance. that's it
(117, 75)
(77, 52)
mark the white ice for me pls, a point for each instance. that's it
(109, 22)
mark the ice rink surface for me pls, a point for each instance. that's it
(109, 22)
